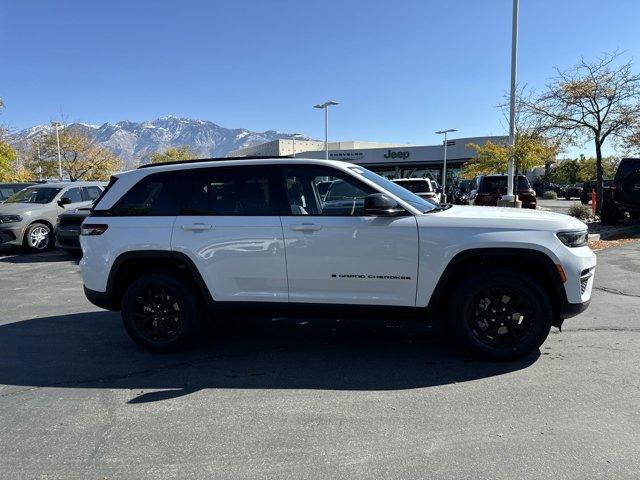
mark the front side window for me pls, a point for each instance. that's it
(318, 190)
(39, 195)
(153, 195)
(405, 195)
(245, 190)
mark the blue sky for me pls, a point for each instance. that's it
(401, 69)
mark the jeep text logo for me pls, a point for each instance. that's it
(391, 154)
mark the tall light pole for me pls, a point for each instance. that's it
(444, 164)
(293, 138)
(510, 199)
(39, 162)
(326, 106)
(57, 126)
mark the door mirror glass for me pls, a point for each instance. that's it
(381, 205)
(64, 201)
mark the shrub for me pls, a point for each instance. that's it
(580, 211)
(550, 195)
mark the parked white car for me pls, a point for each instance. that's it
(422, 187)
(167, 243)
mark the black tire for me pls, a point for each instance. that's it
(567, 197)
(584, 201)
(160, 313)
(33, 240)
(477, 325)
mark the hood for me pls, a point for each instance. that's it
(18, 208)
(502, 218)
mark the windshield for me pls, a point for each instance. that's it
(399, 191)
(421, 186)
(34, 195)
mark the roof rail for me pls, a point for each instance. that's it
(213, 159)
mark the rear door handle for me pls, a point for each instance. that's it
(306, 227)
(196, 227)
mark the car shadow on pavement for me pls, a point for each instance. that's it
(91, 350)
(17, 257)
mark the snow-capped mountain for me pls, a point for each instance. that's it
(135, 142)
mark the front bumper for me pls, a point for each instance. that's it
(68, 238)
(100, 299)
(11, 234)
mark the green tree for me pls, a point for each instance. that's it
(593, 100)
(7, 161)
(565, 172)
(530, 150)
(173, 154)
(81, 158)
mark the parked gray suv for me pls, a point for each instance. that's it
(28, 218)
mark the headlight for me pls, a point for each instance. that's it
(10, 218)
(573, 239)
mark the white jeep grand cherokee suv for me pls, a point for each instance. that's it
(167, 243)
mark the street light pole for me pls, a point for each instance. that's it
(293, 138)
(326, 106)
(39, 162)
(57, 126)
(510, 198)
(444, 164)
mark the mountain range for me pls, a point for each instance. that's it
(134, 142)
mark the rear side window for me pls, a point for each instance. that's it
(73, 194)
(91, 193)
(246, 190)
(154, 195)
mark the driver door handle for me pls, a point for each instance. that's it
(196, 227)
(306, 227)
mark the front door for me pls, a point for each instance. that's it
(336, 254)
(229, 225)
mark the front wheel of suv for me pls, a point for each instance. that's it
(38, 238)
(159, 312)
(500, 314)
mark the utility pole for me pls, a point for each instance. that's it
(57, 126)
(444, 164)
(511, 199)
(326, 106)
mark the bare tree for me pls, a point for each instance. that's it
(592, 100)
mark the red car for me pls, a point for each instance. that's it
(490, 188)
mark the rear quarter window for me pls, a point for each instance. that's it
(154, 195)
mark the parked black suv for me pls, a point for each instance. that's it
(624, 193)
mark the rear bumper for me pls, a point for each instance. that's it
(68, 238)
(100, 299)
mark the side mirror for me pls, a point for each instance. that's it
(64, 201)
(381, 205)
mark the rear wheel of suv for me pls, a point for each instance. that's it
(159, 312)
(500, 314)
(37, 238)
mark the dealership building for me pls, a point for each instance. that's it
(390, 160)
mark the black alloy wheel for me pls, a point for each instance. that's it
(160, 312)
(500, 313)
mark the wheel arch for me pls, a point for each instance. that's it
(130, 265)
(533, 262)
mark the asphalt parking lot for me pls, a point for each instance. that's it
(274, 398)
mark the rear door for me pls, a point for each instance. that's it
(336, 254)
(229, 225)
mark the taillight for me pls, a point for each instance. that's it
(93, 229)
